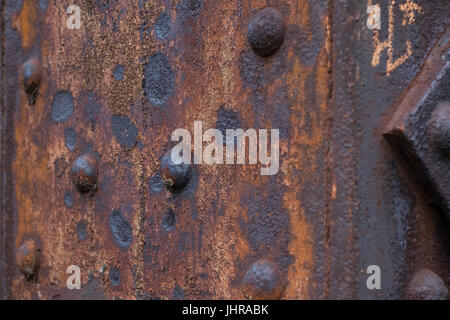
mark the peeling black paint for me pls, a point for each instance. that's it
(92, 109)
(70, 137)
(62, 106)
(267, 226)
(68, 199)
(159, 79)
(162, 26)
(43, 4)
(114, 276)
(169, 221)
(81, 230)
(192, 8)
(156, 183)
(119, 72)
(124, 130)
(227, 119)
(121, 229)
(178, 292)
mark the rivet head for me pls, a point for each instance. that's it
(263, 281)
(426, 285)
(27, 259)
(85, 173)
(266, 31)
(175, 176)
(439, 128)
(31, 76)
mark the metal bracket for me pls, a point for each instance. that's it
(419, 130)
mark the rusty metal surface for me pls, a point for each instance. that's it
(419, 128)
(86, 119)
(380, 217)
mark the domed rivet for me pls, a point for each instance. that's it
(175, 176)
(31, 78)
(439, 128)
(263, 281)
(266, 31)
(27, 259)
(426, 285)
(85, 173)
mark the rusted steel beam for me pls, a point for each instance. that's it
(117, 89)
(87, 117)
(378, 216)
(420, 128)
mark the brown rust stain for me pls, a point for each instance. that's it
(25, 23)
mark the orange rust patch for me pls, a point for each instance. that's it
(25, 23)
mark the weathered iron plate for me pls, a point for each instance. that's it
(86, 119)
(419, 129)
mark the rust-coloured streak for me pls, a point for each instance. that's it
(25, 22)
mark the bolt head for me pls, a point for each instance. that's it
(266, 31)
(426, 285)
(85, 173)
(439, 128)
(175, 176)
(27, 259)
(31, 76)
(263, 281)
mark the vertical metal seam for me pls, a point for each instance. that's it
(329, 164)
(2, 156)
